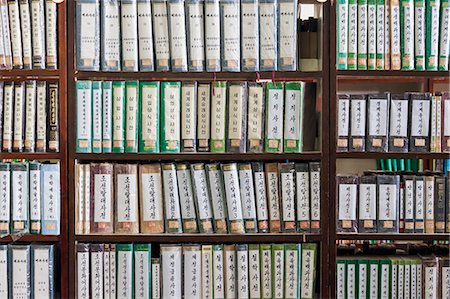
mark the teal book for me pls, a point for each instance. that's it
(149, 123)
(170, 116)
(342, 34)
(97, 101)
(132, 106)
(118, 89)
(143, 270)
(107, 116)
(84, 116)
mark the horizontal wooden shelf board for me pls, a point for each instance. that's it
(28, 238)
(410, 155)
(33, 156)
(402, 236)
(352, 74)
(198, 156)
(30, 74)
(193, 76)
(202, 238)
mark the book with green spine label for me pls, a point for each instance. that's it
(380, 34)
(97, 116)
(292, 270)
(254, 271)
(342, 34)
(351, 277)
(107, 116)
(188, 116)
(362, 35)
(395, 35)
(373, 270)
(362, 283)
(407, 34)
(341, 278)
(419, 33)
(385, 277)
(170, 117)
(432, 34)
(293, 120)
(274, 117)
(266, 270)
(218, 116)
(352, 34)
(278, 271)
(84, 116)
(444, 46)
(118, 89)
(143, 270)
(371, 34)
(132, 105)
(308, 270)
(35, 197)
(124, 275)
(149, 123)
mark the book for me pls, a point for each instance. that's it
(88, 37)
(254, 271)
(347, 190)
(287, 36)
(145, 35)
(207, 270)
(97, 121)
(119, 116)
(149, 117)
(420, 34)
(16, 34)
(171, 264)
(170, 116)
(377, 131)
(396, 62)
(84, 116)
(218, 277)
(342, 20)
(83, 266)
(20, 261)
(420, 122)
(188, 116)
(213, 30)
(43, 271)
(4, 289)
(202, 197)
(273, 197)
(388, 202)
(30, 117)
(293, 116)
(387, 35)
(20, 198)
(8, 118)
(352, 46)
(432, 34)
(268, 25)
(161, 35)
(195, 43)
(230, 271)
(445, 145)
(129, 28)
(150, 199)
(308, 270)
(237, 117)
(133, 106)
(177, 31)
(156, 278)
(192, 271)
(126, 199)
(278, 270)
(302, 184)
(367, 210)
(429, 203)
(51, 198)
(107, 117)
(203, 116)
(218, 197)
(262, 211)
(51, 37)
(274, 117)
(371, 34)
(5, 195)
(362, 35)
(398, 123)
(407, 34)
(357, 138)
(125, 265)
(218, 117)
(186, 193)
(110, 33)
(173, 220)
(248, 197)
(409, 197)
(256, 119)
(288, 196)
(315, 188)
(142, 270)
(380, 31)
(38, 35)
(19, 116)
(343, 125)
(230, 35)
(444, 35)
(41, 115)
(233, 198)
(96, 252)
(419, 205)
(250, 36)
(101, 194)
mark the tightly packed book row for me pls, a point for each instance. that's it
(393, 277)
(29, 116)
(30, 198)
(197, 198)
(392, 34)
(27, 271)
(384, 202)
(132, 116)
(191, 35)
(416, 122)
(28, 34)
(196, 271)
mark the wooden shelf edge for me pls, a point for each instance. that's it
(409, 155)
(31, 74)
(402, 236)
(33, 156)
(193, 76)
(202, 238)
(28, 238)
(198, 156)
(355, 74)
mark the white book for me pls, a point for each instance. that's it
(268, 33)
(203, 115)
(171, 265)
(6, 35)
(171, 195)
(373, 281)
(129, 34)
(242, 270)
(218, 272)
(87, 198)
(106, 272)
(8, 108)
(218, 116)
(202, 195)
(266, 272)
(212, 35)
(250, 35)
(287, 35)
(207, 272)
(51, 38)
(111, 39)
(362, 283)
(340, 278)
(38, 35)
(145, 31)
(431, 282)
(20, 279)
(230, 272)
(30, 116)
(247, 192)
(273, 196)
(254, 271)
(25, 24)
(291, 279)
(19, 117)
(41, 116)
(186, 193)
(278, 273)
(83, 271)
(177, 30)
(195, 22)
(384, 281)
(192, 258)
(16, 35)
(4, 290)
(161, 35)
(230, 36)
(156, 279)
(152, 197)
(112, 272)
(96, 271)
(351, 280)
(188, 115)
(124, 273)
(142, 273)
(88, 35)
(232, 192)
(97, 119)
(126, 198)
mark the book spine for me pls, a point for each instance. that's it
(145, 35)
(373, 290)
(439, 122)
(112, 271)
(187, 205)
(36, 202)
(278, 271)
(218, 199)
(207, 272)
(129, 26)
(378, 122)
(260, 197)
(171, 266)
(367, 212)
(292, 271)
(371, 34)
(84, 117)
(173, 220)
(398, 123)
(156, 278)
(202, 198)
(268, 25)
(387, 35)
(170, 117)
(97, 251)
(110, 33)
(38, 35)
(125, 265)
(233, 198)
(20, 261)
(242, 269)
(194, 23)
(51, 38)
(380, 35)
(149, 117)
(273, 196)
(119, 116)
(30, 116)
(25, 24)
(212, 36)
(41, 115)
(248, 197)
(420, 32)
(419, 205)
(410, 196)
(340, 279)
(250, 36)
(230, 35)
(429, 204)
(444, 46)
(150, 199)
(274, 117)
(16, 36)
(133, 106)
(19, 116)
(7, 35)
(142, 271)
(177, 31)
(188, 116)
(342, 25)
(445, 122)
(106, 271)
(302, 183)
(256, 112)
(447, 204)
(395, 35)
(1, 103)
(362, 34)
(420, 122)
(237, 117)
(266, 270)
(218, 117)
(218, 272)
(87, 199)
(101, 195)
(407, 34)
(203, 117)
(5, 195)
(107, 114)
(97, 120)
(308, 270)
(88, 37)
(357, 123)
(126, 199)
(384, 278)
(314, 172)
(254, 271)
(351, 278)
(287, 35)
(288, 196)
(293, 116)
(20, 198)
(161, 35)
(43, 271)
(432, 35)
(347, 190)
(388, 202)
(192, 259)
(343, 125)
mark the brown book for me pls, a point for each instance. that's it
(273, 197)
(102, 192)
(53, 117)
(151, 199)
(126, 193)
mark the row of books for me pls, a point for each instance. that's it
(191, 35)
(30, 198)
(191, 198)
(29, 116)
(393, 277)
(132, 116)
(392, 35)
(410, 203)
(28, 34)
(416, 122)
(196, 271)
(27, 271)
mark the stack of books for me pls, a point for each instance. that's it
(191, 198)
(206, 117)
(196, 271)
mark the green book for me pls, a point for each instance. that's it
(351, 278)
(432, 34)
(444, 45)
(363, 280)
(266, 271)
(342, 34)
(254, 271)
(419, 34)
(384, 279)
(292, 271)
(218, 272)
(124, 274)
(132, 106)
(371, 34)
(362, 34)
(5, 194)
(380, 34)
(84, 116)
(341, 278)
(407, 34)
(107, 116)
(373, 271)
(118, 89)
(97, 116)
(149, 117)
(274, 117)
(170, 117)
(394, 277)
(308, 272)
(352, 34)
(293, 116)
(278, 271)
(218, 116)
(143, 270)
(35, 197)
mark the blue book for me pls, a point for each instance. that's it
(51, 199)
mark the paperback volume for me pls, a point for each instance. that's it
(28, 34)
(29, 198)
(27, 271)
(191, 35)
(116, 116)
(410, 203)
(393, 277)
(392, 34)
(191, 198)
(196, 271)
(415, 122)
(29, 116)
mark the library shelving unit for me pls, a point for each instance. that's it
(56, 75)
(320, 77)
(345, 80)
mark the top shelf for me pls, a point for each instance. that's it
(193, 76)
(392, 74)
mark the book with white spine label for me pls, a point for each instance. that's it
(230, 35)
(161, 35)
(88, 35)
(145, 37)
(177, 31)
(212, 36)
(250, 35)
(129, 28)
(111, 41)
(268, 29)
(196, 36)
